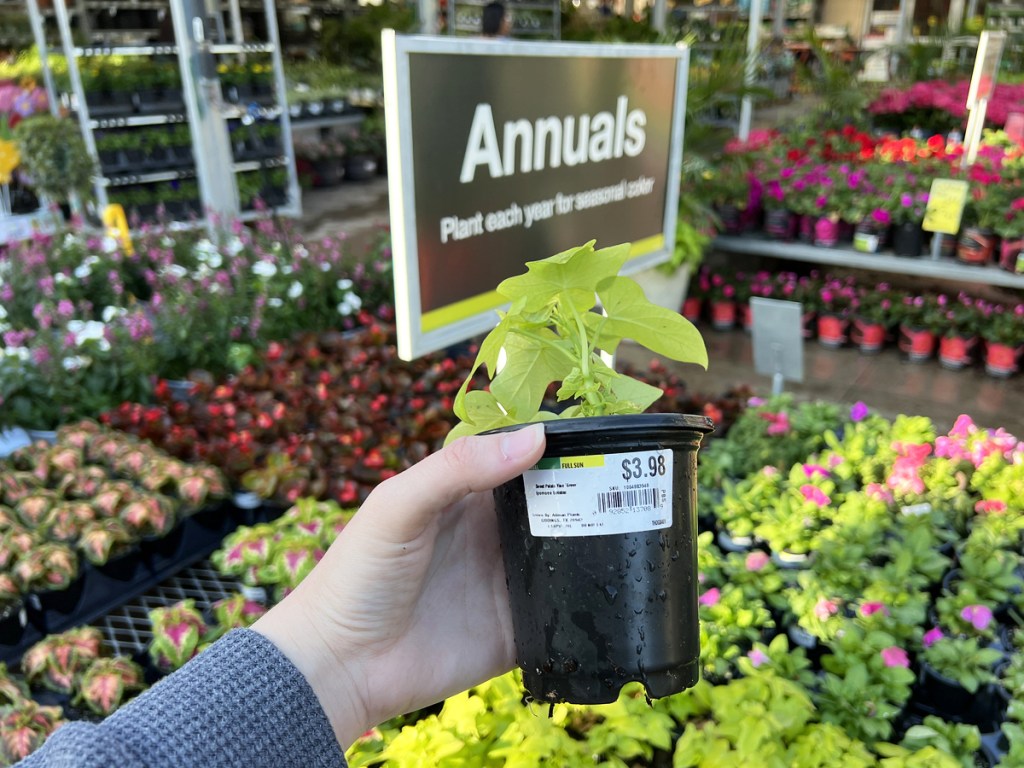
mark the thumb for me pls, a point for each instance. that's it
(404, 505)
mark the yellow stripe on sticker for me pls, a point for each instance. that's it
(571, 462)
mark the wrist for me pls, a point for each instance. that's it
(333, 680)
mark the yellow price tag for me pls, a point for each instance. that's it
(116, 224)
(946, 202)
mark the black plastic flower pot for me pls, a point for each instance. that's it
(12, 623)
(940, 695)
(599, 545)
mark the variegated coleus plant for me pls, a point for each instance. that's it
(10, 593)
(235, 612)
(24, 727)
(178, 634)
(293, 558)
(79, 434)
(56, 660)
(199, 486)
(150, 515)
(47, 566)
(16, 485)
(66, 520)
(106, 683)
(102, 540)
(112, 496)
(60, 460)
(84, 483)
(244, 552)
(14, 544)
(12, 690)
(33, 508)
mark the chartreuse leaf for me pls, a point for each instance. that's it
(568, 277)
(631, 316)
(529, 369)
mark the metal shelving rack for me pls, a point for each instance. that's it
(201, 37)
(534, 19)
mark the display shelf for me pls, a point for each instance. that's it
(943, 269)
(329, 121)
(23, 226)
(223, 48)
(137, 120)
(126, 179)
(126, 50)
(255, 165)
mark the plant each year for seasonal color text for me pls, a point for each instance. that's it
(552, 333)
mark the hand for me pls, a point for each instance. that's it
(409, 604)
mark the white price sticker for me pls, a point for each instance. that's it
(601, 494)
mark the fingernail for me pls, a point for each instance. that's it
(522, 442)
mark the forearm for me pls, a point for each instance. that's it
(240, 703)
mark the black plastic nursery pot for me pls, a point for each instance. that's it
(599, 546)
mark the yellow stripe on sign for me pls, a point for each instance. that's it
(484, 302)
(460, 310)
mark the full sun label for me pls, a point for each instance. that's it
(600, 494)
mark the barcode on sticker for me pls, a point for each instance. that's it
(628, 499)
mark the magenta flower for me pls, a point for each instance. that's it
(894, 656)
(755, 401)
(758, 657)
(757, 560)
(711, 597)
(871, 608)
(810, 470)
(858, 411)
(825, 608)
(815, 494)
(931, 637)
(980, 616)
(778, 423)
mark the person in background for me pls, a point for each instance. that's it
(407, 607)
(494, 22)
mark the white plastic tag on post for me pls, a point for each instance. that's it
(778, 340)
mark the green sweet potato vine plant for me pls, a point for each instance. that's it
(552, 333)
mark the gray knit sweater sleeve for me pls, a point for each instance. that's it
(239, 703)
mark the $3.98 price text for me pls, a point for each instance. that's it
(634, 469)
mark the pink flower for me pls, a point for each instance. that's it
(879, 492)
(963, 427)
(986, 506)
(778, 423)
(758, 657)
(825, 608)
(894, 656)
(980, 616)
(858, 412)
(815, 494)
(711, 597)
(810, 470)
(757, 560)
(871, 608)
(931, 637)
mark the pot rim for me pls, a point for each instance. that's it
(623, 425)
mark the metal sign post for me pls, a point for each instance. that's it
(778, 340)
(753, 41)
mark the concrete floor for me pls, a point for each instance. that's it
(884, 381)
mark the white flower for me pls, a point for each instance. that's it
(354, 300)
(18, 353)
(264, 269)
(344, 309)
(234, 246)
(325, 267)
(274, 302)
(91, 330)
(215, 261)
(82, 271)
(202, 271)
(110, 244)
(176, 270)
(60, 278)
(91, 260)
(167, 242)
(204, 249)
(75, 362)
(276, 247)
(351, 303)
(344, 284)
(295, 290)
(110, 312)
(3, 312)
(286, 269)
(5, 327)
(300, 251)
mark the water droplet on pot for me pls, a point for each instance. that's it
(549, 666)
(662, 541)
(639, 650)
(570, 665)
(663, 595)
(650, 566)
(675, 555)
(611, 593)
(639, 577)
(638, 611)
(632, 553)
(551, 568)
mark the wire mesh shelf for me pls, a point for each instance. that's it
(127, 630)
